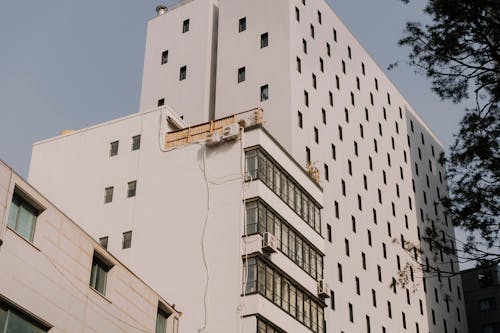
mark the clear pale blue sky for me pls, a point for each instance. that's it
(70, 64)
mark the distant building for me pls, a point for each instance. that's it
(55, 277)
(168, 184)
(482, 299)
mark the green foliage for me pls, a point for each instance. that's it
(459, 51)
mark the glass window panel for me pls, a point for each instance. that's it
(307, 311)
(307, 262)
(262, 219)
(261, 277)
(252, 221)
(269, 283)
(161, 322)
(277, 289)
(314, 316)
(270, 222)
(285, 294)
(291, 246)
(14, 212)
(269, 174)
(251, 277)
(277, 232)
(299, 252)
(300, 306)
(17, 324)
(261, 165)
(277, 181)
(251, 159)
(284, 240)
(3, 318)
(283, 187)
(293, 301)
(26, 222)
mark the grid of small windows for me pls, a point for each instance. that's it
(261, 218)
(260, 166)
(382, 161)
(269, 282)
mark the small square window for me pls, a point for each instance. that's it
(103, 241)
(131, 190)
(22, 217)
(185, 26)
(241, 74)
(242, 26)
(127, 240)
(108, 194)
(113, 148)
(164, 57)
(264, 93)
(264, 40)
(182, 73)
(136, 142)
(99, 274)
(161, 102)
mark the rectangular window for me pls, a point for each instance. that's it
(164, 57)
(264, 40)
(108, 194)
(242, 26)
(304, 46)
(327, 176)
(308, 155)
(14, 321)
(161, 321)
(103, 241)
(99, 274)
(349, 53)
(185, 26)
(299, 119)
(312, 31)
(297, 14)
(351, 314)
(316, 135)
(314, 81)
(264, 93)
(323, 116)
(127, 240)
(241, 74)
(306, 98)
(329, 232)
(131, 189)
(335, 35)
(22, 217)
(299, 65)
(320, 21)
(182, 73)
(113, 148)
(136, 142)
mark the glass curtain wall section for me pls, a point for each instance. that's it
(259, 165)
(285, 293)
(261, 218)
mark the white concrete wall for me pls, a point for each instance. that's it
(269, 65)
(190, 98)
(49, 278)
(168, 214)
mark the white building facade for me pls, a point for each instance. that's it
(329, 106)
(54, 277)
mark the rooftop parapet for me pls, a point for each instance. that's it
(203, 131)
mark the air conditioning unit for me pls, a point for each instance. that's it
(269, 243)
(214, 139)
(323, 290)
(231, 132)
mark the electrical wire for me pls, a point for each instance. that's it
(205, 224)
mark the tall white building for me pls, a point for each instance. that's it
(326, 104)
